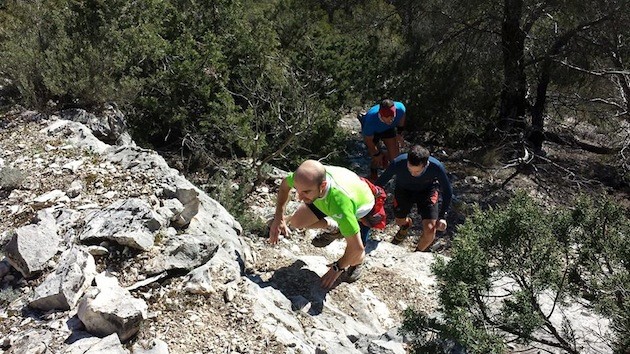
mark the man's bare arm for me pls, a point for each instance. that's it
(369, 142)
(279, 226)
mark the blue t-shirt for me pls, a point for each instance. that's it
(433, 174)
(372, 125)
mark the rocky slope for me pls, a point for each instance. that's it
(108, 250)
(107, 239)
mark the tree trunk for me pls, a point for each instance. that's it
(537, 134)
(513, 101)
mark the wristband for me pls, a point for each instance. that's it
(378, 153)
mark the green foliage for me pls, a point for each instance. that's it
(435, 336)
(508, 259)
(25, 40)
(417, 322)
(600, 267)
(349, 52)
(234, 90)
(204, 69)
(431, 335)
(75, 53)
(11, 178)
(184, 93)
(450, 74)
(230, 186)
(520, 314)
(212, 78)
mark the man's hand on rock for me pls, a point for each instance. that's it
(278, 227)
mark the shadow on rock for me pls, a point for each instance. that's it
(371, 245)
(77, 329)
(300, 285)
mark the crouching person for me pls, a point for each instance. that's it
(333, 197)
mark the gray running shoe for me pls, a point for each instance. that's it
(327, 236)
(353, 273)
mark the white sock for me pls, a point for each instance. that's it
(332, 223)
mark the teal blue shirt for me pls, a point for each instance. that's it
(372, 124)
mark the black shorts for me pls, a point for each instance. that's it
(387, 134)
(320, 214)
(427, 202)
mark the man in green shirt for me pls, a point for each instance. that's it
(330, 191)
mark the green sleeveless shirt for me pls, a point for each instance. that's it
(346, 200)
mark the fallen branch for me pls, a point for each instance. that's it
(519, 163)
(565, 139)
(147, 281)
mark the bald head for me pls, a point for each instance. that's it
(310, 172)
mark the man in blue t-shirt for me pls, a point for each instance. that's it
(384, 121)
(419, 180)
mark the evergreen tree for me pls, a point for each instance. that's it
(516, 267)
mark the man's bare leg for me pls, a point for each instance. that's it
(428, 235)
(303, 218)
(393, 150)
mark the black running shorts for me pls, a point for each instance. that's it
(427, 202)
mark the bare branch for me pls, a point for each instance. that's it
(606, 102)
(593, 72)
(274, 154)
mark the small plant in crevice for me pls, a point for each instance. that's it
(230, 185)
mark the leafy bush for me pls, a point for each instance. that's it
(76, 54)
(239, 77)
(430, 335)
(600, 267)
(230, 185)
(507, 260)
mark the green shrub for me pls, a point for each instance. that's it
(229, 184)
(505, 259)
(76, 53)
(239, 78)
